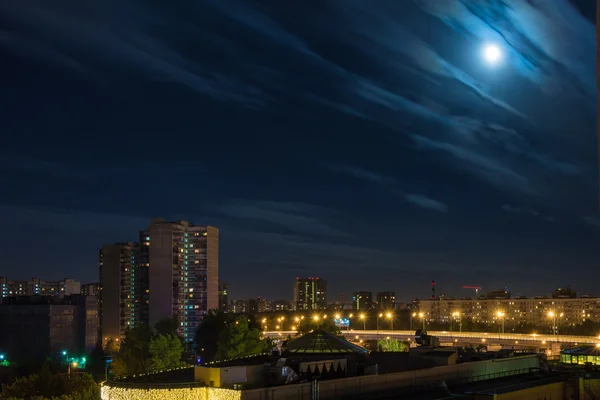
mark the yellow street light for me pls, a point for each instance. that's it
(500, 315)
(390, 316)
(316, 317)
(337, 316)
(296, 319)
(363, 317)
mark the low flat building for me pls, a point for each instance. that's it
(35, 327)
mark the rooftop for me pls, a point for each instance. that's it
(321, 342)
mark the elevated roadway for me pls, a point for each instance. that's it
(522, 339)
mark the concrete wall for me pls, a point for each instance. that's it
(375, 383)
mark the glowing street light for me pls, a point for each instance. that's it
(390, 316)
(422, 316)
(554, 315)
(500, 315)
(337, 316)
(363, 317)
(456, 315)
(411, 318)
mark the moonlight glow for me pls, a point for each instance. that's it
(492, 53)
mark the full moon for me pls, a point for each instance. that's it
(492, 53)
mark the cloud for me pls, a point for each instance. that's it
(90, 33)
(299, 218)
(488, 169)
(527, 211)
(363, 174)
(426, 202)
(592, 220)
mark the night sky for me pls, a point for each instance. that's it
(365, 142)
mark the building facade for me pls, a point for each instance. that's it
(363, 301)
(117, 291)
(223, 297)
(90, 289)
(386, 300)
(537, 311)
(39, 287)
(183, 273)
(310, 294)
(35, 327)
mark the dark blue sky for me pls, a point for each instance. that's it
(367, 143)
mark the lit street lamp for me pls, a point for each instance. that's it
(422, 316)
(364, 320)
(378, 316)
(411, 318)
(391, 318)
(553, 315)
(500, 315)
(456, 315)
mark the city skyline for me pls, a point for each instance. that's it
(389, 145)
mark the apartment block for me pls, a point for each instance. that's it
(520, 310)
(183, 273)
(39, 287)
(310, 294)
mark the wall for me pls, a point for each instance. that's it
(194, 393)
(337, 388)
(227, 376)
(554, 391)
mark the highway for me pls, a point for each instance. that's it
(445, 336)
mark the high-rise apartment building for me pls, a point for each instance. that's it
(386, 300)
(363, 301)
(117, 294)
(310, 294)
(223, 297)
(183, 273)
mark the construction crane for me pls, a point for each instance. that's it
(477, 289)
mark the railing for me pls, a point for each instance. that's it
(525, 337)
(154, 385)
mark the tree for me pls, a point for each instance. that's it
(134, 355)
(165, 351)
(391, 345)
(239, 339)
(208, 334)
(46, 385)
(310, 324)
(167, 326)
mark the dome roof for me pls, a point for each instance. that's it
(321, 342)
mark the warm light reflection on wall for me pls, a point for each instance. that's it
(199, 393)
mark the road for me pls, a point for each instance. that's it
(445, 336)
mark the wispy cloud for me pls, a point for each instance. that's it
(486, 168)
(527, 211)
(363, 174)
(592, 220)
(90, 29)
(425, 202)
(299, 218)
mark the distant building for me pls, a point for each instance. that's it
(363, 301)
(497, 294)
(532, 311)
(34, 327)
(252, 306)
(281, 305)
(118, 295)
(183, 273)
(90, 289)
(310, 294)
(39, 287)
(223, 297)
(238, 306)
(564, 293)
(386, 300)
